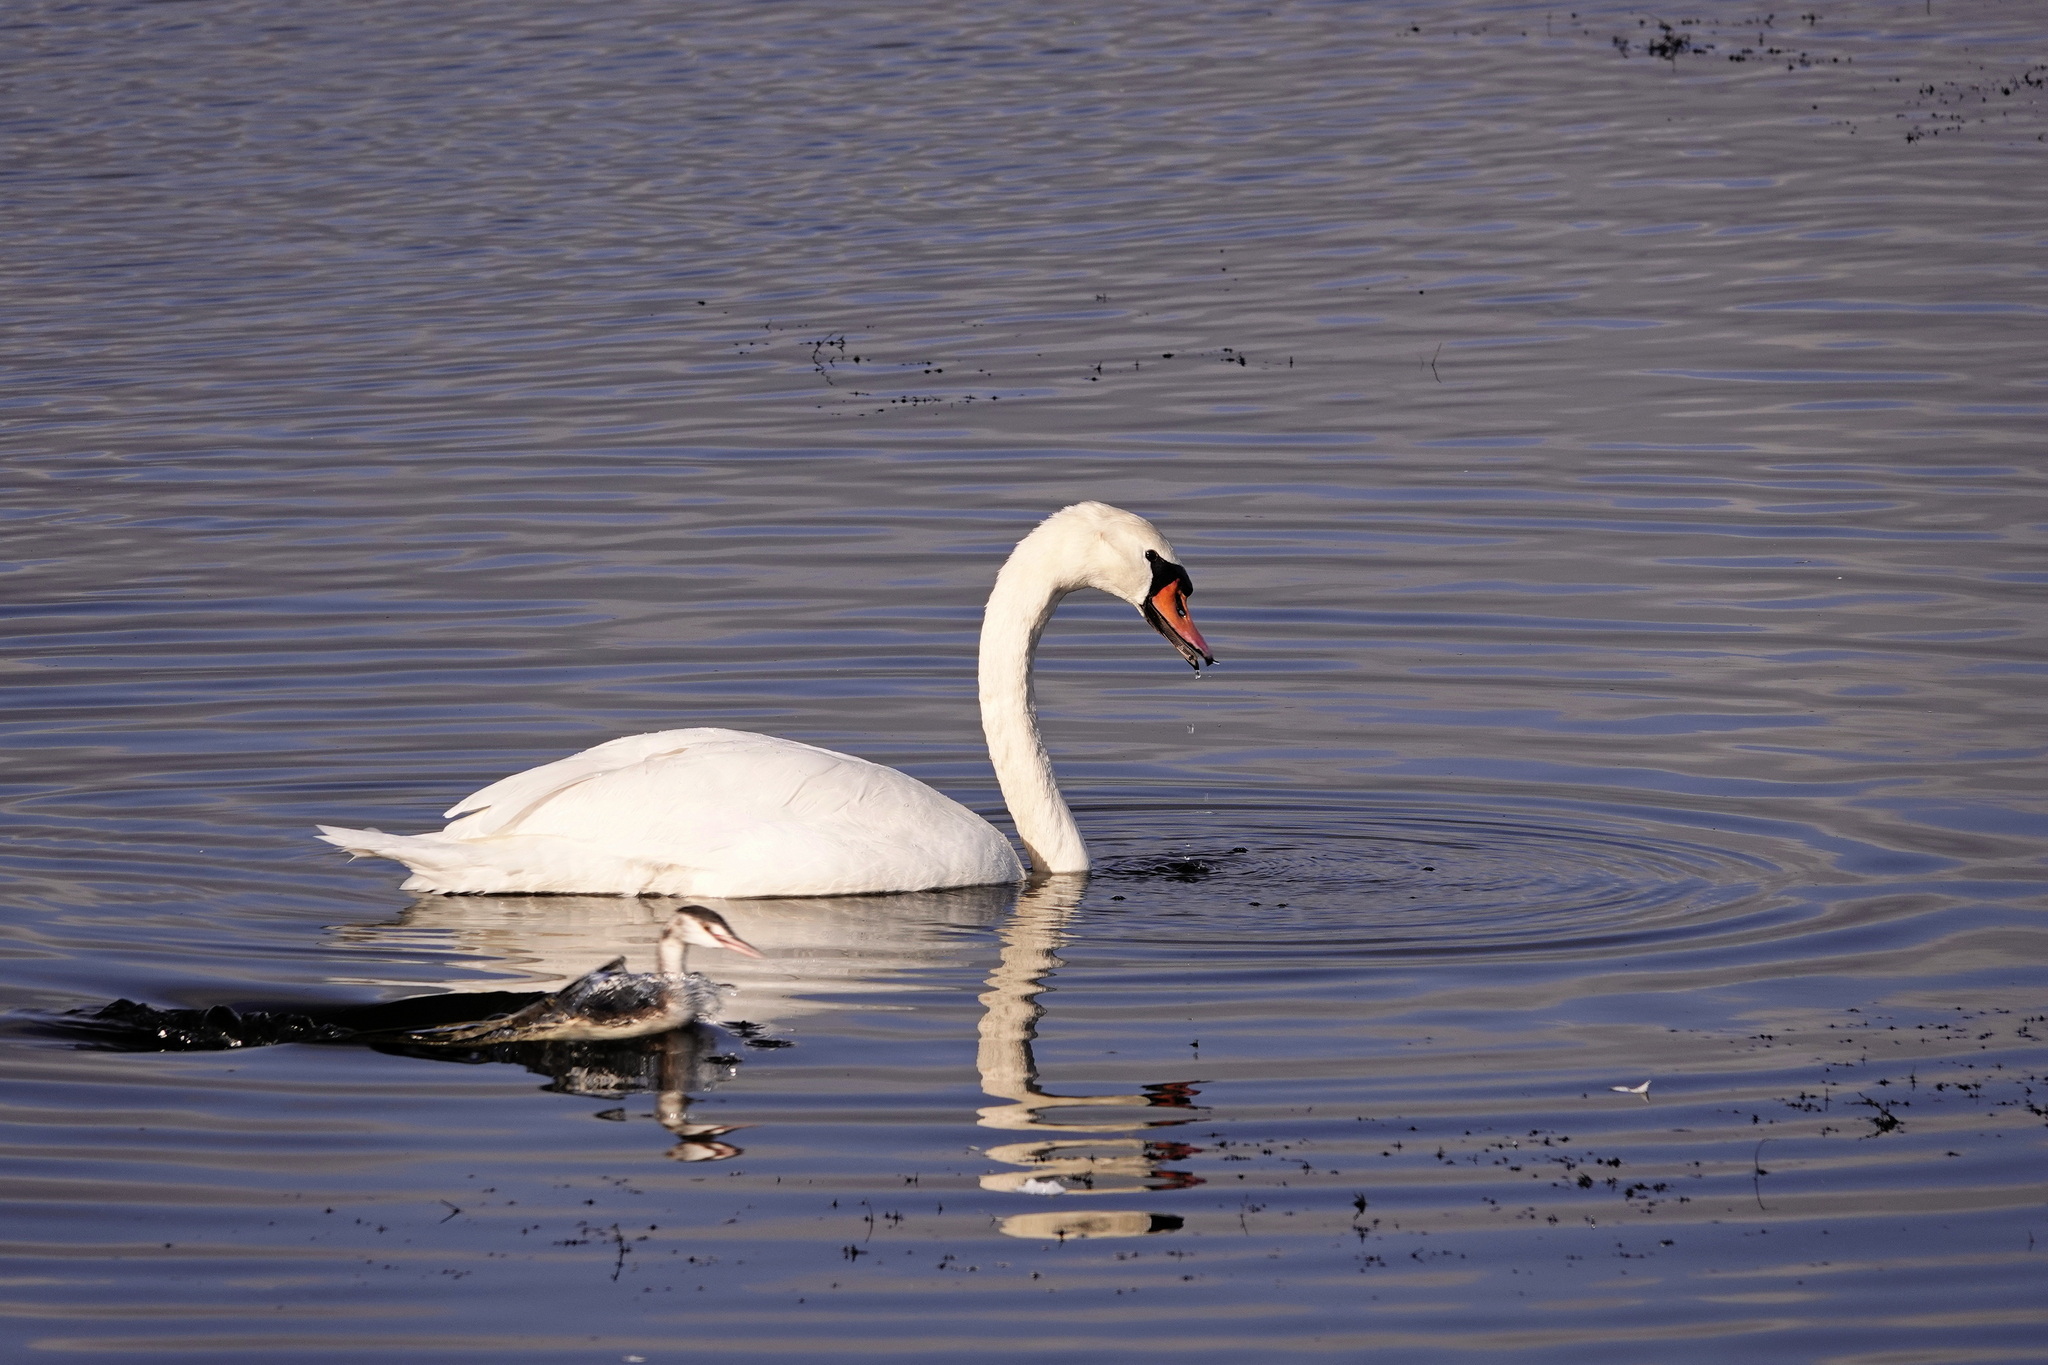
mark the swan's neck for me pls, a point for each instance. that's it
(1025, 594)
(669, 954)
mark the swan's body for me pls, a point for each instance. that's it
(612, 1002)
(724, 813)
(718, 813)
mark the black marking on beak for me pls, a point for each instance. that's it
(1165, 608)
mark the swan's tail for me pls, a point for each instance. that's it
(438, 864)
(366, 843)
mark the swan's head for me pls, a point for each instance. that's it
(1094, 545)
(707, 929)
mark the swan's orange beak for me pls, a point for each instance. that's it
(1167, 610)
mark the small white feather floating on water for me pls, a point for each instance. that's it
(1041, 1187)
(1643, 1089)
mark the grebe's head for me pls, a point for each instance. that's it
(706, 928)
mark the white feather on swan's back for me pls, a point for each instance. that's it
(509, 797)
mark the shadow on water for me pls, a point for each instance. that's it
(127, 1026)
(668, 1064)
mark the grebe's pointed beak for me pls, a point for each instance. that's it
(1167, 610)
(715, 932)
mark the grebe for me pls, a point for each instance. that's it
(612, 1002)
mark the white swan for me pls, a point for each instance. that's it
(723, 813)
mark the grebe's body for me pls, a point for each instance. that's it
(611, 1002)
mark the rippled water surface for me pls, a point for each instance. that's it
(1610, 461)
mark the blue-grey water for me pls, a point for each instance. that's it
(1609, 458)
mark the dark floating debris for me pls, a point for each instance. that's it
(752, 1034)
(1882, 1120)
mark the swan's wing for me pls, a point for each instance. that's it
(498, 808)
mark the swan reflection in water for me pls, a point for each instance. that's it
(1049, 1165)
(811, 955)
(824, 954)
